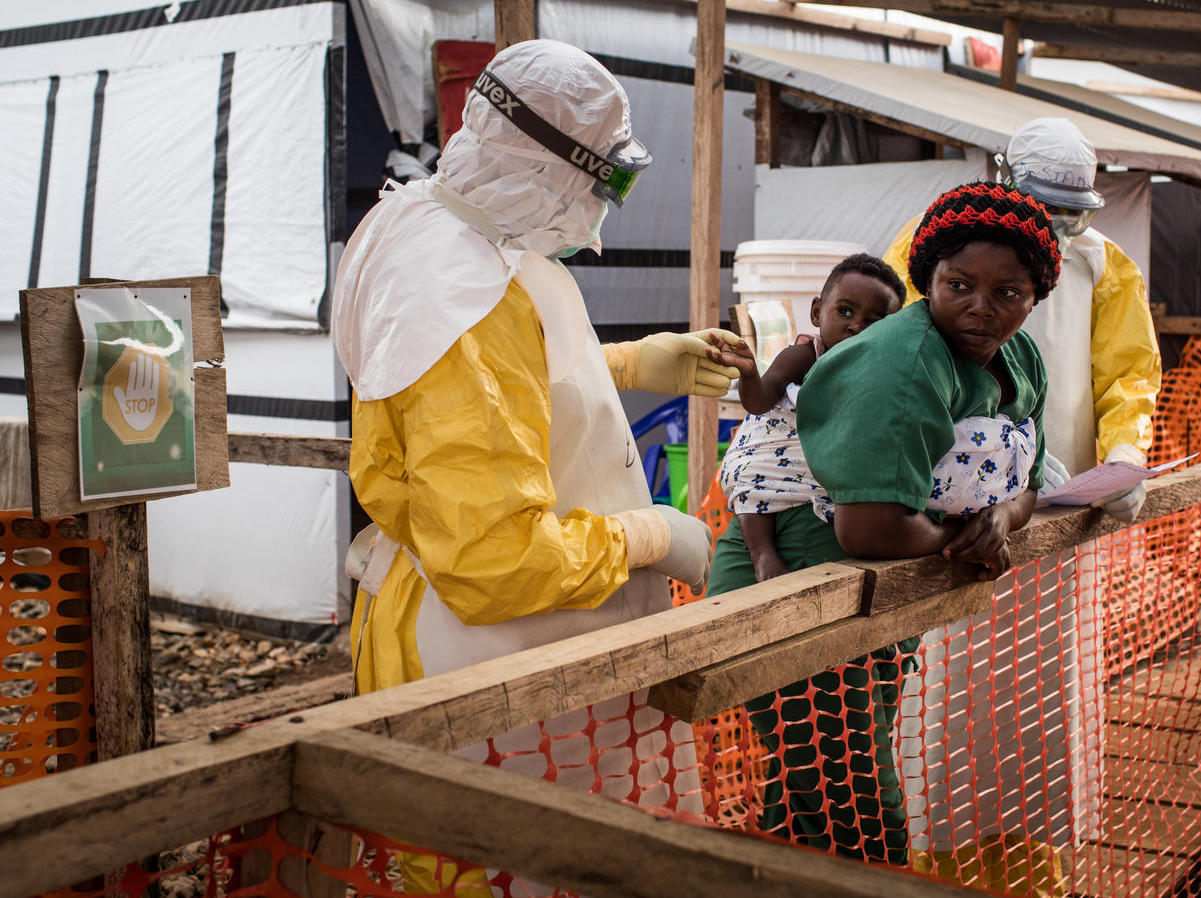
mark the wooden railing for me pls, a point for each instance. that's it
(378, 762)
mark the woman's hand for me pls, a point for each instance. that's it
(984, 538)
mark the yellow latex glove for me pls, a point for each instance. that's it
(675, 364)
(668, 541)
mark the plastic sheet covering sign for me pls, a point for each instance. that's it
(136, 396)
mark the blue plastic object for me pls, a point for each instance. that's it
(673, 417)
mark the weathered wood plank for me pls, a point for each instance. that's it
(1104, 871)
(53, 350)
(600, 847)
(1067, 13)
(1179, 677)
(290, 451)
(1138, 779)
(1166, 829)
(1118, 55)
(1012, 37)
(705, 265)
(252, 708)
(1159, 711)
(1178, 324)
(767, 124)
(727, 684)
(1170, 746)
(822, 18)
(515, 21)
(896, 582)
(120, 593)
(91, 819)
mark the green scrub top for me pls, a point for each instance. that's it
(877, 412)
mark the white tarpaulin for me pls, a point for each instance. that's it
(161, 143)
(865, 204)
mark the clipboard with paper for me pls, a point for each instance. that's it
(1098, 485)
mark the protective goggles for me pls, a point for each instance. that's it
(614, 173)
(1070, 222)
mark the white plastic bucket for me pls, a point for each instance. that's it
(786, 269)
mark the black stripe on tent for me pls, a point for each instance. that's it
(661, 71)
(138, 19)
(221, 165)
(641, 258)
(39, 221)
(335, 136)
(259, 406)
(283, 407)
(1027, 90)
(12, 386)
(89, 196)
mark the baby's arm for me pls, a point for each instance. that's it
(759, 393)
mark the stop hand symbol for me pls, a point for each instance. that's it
(138, 401)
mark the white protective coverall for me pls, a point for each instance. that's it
(489, 445)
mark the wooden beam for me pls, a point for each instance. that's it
(1063, 13)
(820, 18)
(1119, 55)
(767, 123)
(64, 828)
(703, 693)
(599, 847)
(1162, 91)
(250, 709)
(120, 595)
(290, 451)
(705, 257)
(1177, 324)
(1012, 31)
(515, 21)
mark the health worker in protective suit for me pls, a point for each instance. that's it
(1095, 332)
(490, 447)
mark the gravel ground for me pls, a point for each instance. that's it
(196, 665)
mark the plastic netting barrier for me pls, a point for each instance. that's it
(1049, 745)
(46, 717)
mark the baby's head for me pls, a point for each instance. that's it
(860, 290)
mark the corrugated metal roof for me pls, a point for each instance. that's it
(953, 109)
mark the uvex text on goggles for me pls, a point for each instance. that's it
(614, 173)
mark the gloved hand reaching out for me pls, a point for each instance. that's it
(1126, 507)
(668, 541)
(675, 364)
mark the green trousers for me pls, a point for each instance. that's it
(832, 778)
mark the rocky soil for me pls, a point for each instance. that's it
(196, 665)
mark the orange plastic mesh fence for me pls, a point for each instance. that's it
(46, 717)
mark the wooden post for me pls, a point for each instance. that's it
(515, 21)
(767, 123)
(120, 580)
(1012, 36)
(705, 274)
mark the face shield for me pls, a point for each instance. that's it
(614, 173)
(1072, 209)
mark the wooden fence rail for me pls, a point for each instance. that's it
(702, 657)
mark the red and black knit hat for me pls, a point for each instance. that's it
(992, 212)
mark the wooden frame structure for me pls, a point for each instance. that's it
(376, 761)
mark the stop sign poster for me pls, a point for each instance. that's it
(136, 396)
